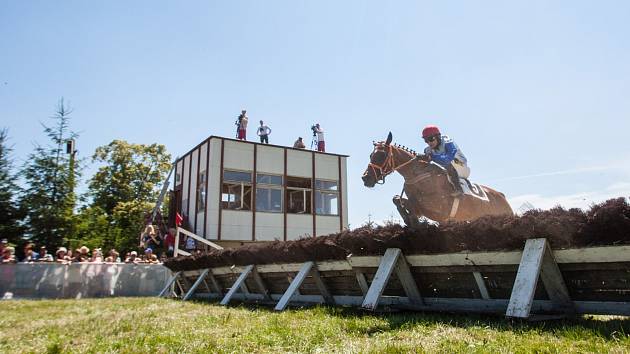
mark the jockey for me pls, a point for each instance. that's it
(443, 151)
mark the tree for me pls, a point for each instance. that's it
(9, 212)
(125, 188)
(51, 175)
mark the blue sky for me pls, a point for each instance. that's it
(536, 93)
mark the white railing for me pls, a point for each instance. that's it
(177, 251)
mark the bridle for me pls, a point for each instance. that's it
(388, 166)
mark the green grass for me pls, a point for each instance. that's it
(145, 325)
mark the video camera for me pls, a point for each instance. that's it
(314, 129)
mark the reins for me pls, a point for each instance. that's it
(388, 166)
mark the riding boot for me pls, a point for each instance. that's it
(454, 177)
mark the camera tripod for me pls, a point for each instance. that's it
(314, 142)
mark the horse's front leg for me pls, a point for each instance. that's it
(408, 214)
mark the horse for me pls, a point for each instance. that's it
(429, 189)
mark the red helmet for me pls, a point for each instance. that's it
(430, 130)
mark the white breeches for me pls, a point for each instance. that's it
(463, 171)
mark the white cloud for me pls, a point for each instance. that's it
(577, 200)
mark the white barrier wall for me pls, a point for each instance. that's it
(81, 280)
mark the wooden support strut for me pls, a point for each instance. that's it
(363, 284)
(169, 283)
(214, 284)
(199, 280)
(261, 285)
(321, 286)
(538, 261)
(481, 284)
(238, 284)
(391, 260)
(294, 286)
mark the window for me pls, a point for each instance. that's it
(201, 191)
(298, 195)
(326, 197)
(236, 192)
(268, 193)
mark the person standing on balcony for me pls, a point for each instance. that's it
(242, 125)
(263, 132)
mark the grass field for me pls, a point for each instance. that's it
(145, 325)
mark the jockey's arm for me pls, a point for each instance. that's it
(448, 155)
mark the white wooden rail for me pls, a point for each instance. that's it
(180, 230)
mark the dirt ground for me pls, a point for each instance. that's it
(607, 223)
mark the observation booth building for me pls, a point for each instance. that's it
(232, 191)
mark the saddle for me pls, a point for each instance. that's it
(468, 187)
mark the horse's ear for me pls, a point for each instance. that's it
(389, 138)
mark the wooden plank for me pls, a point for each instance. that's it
(407, 281)
(182, 252)
(554, 283)
(169, 283)
(198, 238)
(237, 285)
(195, 285)
(385, 269)
(605, 254)
(481, 284)
(496, 306)
(295, 285)
(608, 254)
(526, 278)
(260, 284)
(323, 289)
(363, 284)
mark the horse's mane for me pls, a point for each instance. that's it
(427, 165)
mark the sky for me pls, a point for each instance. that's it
(535, 93)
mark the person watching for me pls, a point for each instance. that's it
(263, 132)
(29, 254)
(7, 255)
(321, 145)
(242, 125)
(44, 256)
(3, 244)
(82, 255)
(149, 237)
(299, 144)
(61, 255)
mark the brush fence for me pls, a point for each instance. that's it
(536, 283)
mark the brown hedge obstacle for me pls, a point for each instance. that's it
(542, 264)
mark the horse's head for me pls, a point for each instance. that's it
(378, 167)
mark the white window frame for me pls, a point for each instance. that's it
(326, 191)
(268, 186)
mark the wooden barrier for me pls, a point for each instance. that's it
(536, 283)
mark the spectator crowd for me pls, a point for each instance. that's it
(79, 255)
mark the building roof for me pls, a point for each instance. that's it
(255, 143)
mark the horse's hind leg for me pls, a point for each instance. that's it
(408, 217)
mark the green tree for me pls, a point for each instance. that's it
(126, 187)
(50, 175)
(9, 212)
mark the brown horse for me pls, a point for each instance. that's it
(428, 188)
